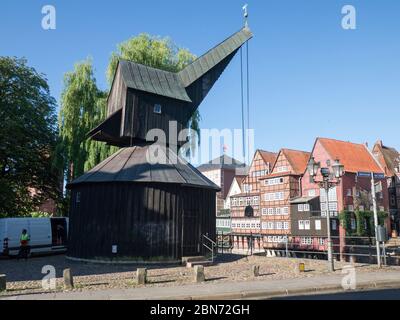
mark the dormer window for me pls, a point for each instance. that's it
(157, 108)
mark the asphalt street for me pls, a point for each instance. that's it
(391, 294)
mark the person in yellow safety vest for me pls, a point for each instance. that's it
(24, 245)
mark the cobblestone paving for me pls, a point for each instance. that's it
(24, 277)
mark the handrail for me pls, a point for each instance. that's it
(213, 246)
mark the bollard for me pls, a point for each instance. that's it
(68, 279)
(3, 282)
(353, 259)
(302, 267)
(256, 271)
(141, 276)
(199, 274)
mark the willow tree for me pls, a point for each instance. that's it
(82, 108)
(159, 53)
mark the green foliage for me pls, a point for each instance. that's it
(152, 51)
(28, 133)
(83, 106)
(365, 225)
(39, 214)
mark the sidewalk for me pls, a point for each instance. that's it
(230, 290)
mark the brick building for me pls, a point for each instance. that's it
(351, 194)
(277, 190)
(389, 159)
(245, 206)
(221, 171)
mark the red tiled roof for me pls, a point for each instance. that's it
(268, 156)
(355, 157)
(297, 159)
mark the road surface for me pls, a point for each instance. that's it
(391, 294)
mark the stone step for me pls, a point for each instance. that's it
(185, 260)
(204, 263)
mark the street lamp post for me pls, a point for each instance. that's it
(329, 180)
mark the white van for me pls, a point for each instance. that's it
(47, 235)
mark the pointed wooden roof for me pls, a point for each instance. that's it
(131, 165)
(209, 60)
(173, 84)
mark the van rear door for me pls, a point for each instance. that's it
(40, 233)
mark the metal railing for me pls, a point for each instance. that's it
(210, 245)
(350, 248)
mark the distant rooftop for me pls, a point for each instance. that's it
(222, 162)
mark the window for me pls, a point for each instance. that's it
(279, 225)
(301, 224)
(334, 225)
(331, 194)
(264, 211)
(286, 225)
(264, 225)
(333, 206)
(241, 202)
(306, 207)
(353, 223)
(321, 241)
(278, 211)
(247, 188)
(270, 211)
(286, 211)
(350, 208)
(307, 225)
(273, 182)
(306, 240)
(270, 225)
(78, 197)
(255, 200)
(349, 193)
(317, 224)
(274, 196)
(248, 201)
(157, 108)
(300, 207)
(282, 169)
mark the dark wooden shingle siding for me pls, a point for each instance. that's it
(145, 221)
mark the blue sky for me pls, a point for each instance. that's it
(308, 76)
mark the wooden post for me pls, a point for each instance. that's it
(199, 274)
(68, 279)
(256, 271)
(3, 282)
(141, 276)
